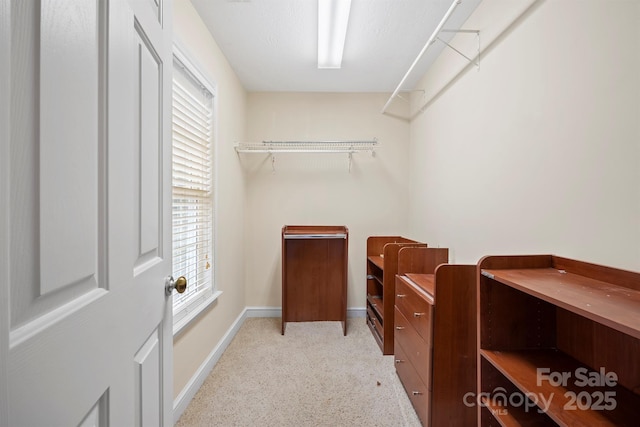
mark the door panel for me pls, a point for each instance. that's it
(47, 223)
(149, 121)
(150, 264)
(56, 241)
(87, 338)
(97, 416)
(147, 363)
(156, 7)
(69, 140)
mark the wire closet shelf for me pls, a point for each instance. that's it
(274, 147)
(306, 146)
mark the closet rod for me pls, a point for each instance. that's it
(431, 40)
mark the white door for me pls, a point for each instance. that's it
(85, 214)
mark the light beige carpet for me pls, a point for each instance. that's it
(311, 376)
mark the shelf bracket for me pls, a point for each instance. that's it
(475, 62)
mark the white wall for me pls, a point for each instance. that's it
(194, 345)
(539, 150)
(318, 189)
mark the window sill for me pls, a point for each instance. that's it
(179, 326)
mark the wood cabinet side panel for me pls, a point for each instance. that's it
(421, 259)
(454, 345)
(375, 244)
(283, 254)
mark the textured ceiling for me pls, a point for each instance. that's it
(272, 44)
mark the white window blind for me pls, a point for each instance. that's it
(192, 190)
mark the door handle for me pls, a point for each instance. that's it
(180, 285)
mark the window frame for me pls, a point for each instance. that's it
(194, 311)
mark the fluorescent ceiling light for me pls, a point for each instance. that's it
(333, 17)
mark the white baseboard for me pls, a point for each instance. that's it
(189, 391)
(357, 312)
(277, 312)
(263, 311)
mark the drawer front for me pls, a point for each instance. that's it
(417, 391)
(375, 303)
(372, 319)
(417, 350)
(417, 311)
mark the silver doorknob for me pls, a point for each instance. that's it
(180, 284)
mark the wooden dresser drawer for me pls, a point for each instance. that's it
(413, 304)
(374, 322)
(436, 347)
(417, 350)
(418, 392)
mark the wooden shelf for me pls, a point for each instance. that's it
(554, 329)
(515, 416)
(521, 368)
(377, 260)
(377, 279)
(382, 265)
(615, 306)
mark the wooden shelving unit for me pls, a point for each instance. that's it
(382, 266)
(565, 334)
(435, 335)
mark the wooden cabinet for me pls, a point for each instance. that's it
(314, 274)
(435, 335)
(382, 266)
(559, 343)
